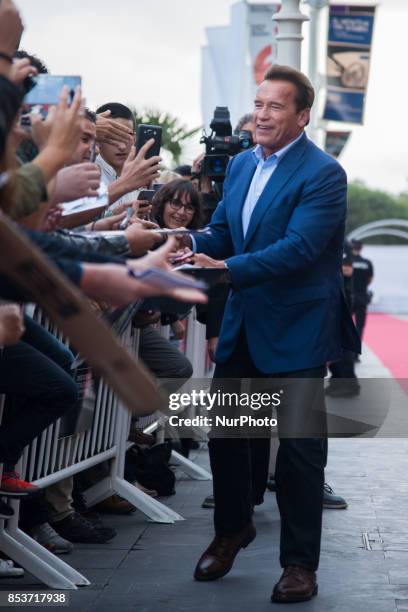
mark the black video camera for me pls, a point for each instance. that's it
(222, 144)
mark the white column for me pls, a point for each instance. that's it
(290, 21)
(316, 6)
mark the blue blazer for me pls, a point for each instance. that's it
(286, 272)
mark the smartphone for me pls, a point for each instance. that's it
(146, 132)
(93, 152)
(47, 89)
(146, 194)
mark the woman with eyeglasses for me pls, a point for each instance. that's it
(178, 204)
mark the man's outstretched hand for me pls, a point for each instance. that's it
(160, 259)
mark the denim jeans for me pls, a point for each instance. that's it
(36, 378)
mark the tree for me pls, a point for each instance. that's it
(174, 134)
(366, 205)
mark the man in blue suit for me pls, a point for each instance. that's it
(279, 231)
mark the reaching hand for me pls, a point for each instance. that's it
(41, 129)
(77, 181)
(66, 129)
(113, 284)
(212, 347)
(204, 261)
(197, 163)
(20, 70)
(108, 224)
(141, 240)
(178, 330)
(11, 323)
(52, 220)
(160, 259)
(111, 131)
(144, 209)
(139, 172)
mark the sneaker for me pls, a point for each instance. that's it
(332, 501)
(208, 502)
(7, 569)
(11, 485)
(6, 511)
(77, 529)
(45, 535)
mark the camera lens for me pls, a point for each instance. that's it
(218, 166)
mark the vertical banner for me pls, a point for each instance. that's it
(335, 142)
(236, 57)
(262, 39)
(348, 61)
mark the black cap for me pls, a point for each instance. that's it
(356, 244)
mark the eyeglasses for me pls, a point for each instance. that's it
(178, 204)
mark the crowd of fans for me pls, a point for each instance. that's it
(72, 154)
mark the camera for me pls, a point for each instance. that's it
(222, 144)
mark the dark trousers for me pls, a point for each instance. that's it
(163, 359)
(35, 375)
(240, 465)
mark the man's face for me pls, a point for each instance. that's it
(83, 151)
(277, 121)
(116, 154)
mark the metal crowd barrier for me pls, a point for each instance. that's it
(49, 459)
(195, 351)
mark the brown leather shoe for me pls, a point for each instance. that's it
(296, 584)
(219, 557)
(114, 505)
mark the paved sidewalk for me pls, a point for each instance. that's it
(364, 550)
(364, 561)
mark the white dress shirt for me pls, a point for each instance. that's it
(108, 176)
(266, 166)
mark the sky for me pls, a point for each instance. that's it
(147, 53)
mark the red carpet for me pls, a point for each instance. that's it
(387, 337)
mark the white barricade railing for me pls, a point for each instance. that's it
(195, 351)
(193, 344)
(50, 459)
